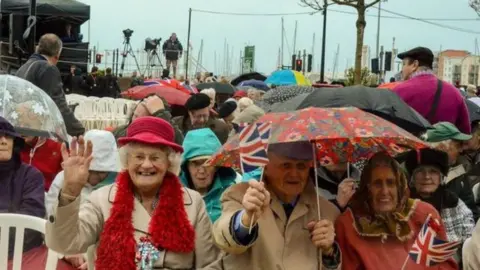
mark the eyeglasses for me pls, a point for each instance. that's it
(139, 159)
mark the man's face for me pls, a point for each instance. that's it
(174, 37)
(455, 148)
(134, 74)
(287, 177)
(199, 118)
(72, 69)
(409, 67)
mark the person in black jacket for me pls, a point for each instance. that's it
(41, 70)
(172, 50)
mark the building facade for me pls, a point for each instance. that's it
(457, 66)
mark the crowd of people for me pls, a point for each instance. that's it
(144, 197)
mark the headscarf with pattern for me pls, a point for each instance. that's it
(370, 224)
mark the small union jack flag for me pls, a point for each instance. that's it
(263, 130)
(428, 250)
(252, 149)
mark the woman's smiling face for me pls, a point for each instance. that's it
(147, 166)
(383, 190)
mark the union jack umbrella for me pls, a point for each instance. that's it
(252, 149)
(338, 134)
(428, 250)
(263, 130)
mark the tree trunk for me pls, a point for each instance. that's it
(361, 23)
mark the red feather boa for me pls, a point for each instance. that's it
(169, 227)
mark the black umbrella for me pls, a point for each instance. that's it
(220, 88)
(248, 76)
(383, 103)
(473, 110)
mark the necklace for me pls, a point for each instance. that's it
(155, 201)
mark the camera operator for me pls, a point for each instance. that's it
(172, 50)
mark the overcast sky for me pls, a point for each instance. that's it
(153, 18)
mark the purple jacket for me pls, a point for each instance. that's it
(22, 192)
(419, 92)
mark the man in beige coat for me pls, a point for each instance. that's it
(471, 250)
(286, 232)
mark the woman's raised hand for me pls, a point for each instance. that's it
(76, 165)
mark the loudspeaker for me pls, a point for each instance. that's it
(309, 63)
(388, 61)
(375, 66)
(294, 57)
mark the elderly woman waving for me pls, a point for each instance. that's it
(379, 228)
(146, 220)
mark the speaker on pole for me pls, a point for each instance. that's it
(375, 69)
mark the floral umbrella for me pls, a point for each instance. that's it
(339, 134)
(29, 109)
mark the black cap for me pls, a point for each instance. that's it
(227, 109)
(427, 156)
(423, 55)
(300, 150)
(197, 102)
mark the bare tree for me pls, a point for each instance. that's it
(361, 6)
(475, 4)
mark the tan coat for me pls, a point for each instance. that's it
(471, 252)
(72, 229)
(280, 245)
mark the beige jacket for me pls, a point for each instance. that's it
(71, 229)
(471, 251)
(281, 244)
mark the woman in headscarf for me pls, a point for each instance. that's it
(428, 172)
(146, 220)
(22, 188)
(378, 229)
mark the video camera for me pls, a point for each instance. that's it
(152, 44)
(127, 32)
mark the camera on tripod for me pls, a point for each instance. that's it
(127, 32)
(152, 44)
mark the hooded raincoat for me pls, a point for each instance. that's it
(105, 159)
(203, 142)
(22, 190)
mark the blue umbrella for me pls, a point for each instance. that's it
(255, 84)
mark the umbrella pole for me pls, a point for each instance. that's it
(316, 178)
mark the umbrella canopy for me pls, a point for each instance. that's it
(171, 95)
(248, 76)
(29, 109)
(220, 88)
(339, 134)
(282, 94)
(255, 84)
(475, 100)
(169, 82)
(287, 77)
(385, 104)
(473, 110)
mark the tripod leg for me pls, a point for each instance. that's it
(134, 57)
(124, 57)
(159, 61)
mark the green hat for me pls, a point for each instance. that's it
(446, 131)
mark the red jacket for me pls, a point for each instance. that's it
(46, 156)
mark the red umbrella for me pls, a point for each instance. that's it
(171, 83)
(171, 95)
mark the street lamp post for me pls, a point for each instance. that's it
(324, 42)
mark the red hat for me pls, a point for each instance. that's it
(151, 130)
(240, 93)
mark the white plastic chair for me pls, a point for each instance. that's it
(21, 222)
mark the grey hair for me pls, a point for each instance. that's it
(175, 158)
(49, 45)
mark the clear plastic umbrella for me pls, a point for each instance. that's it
(29, 109)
